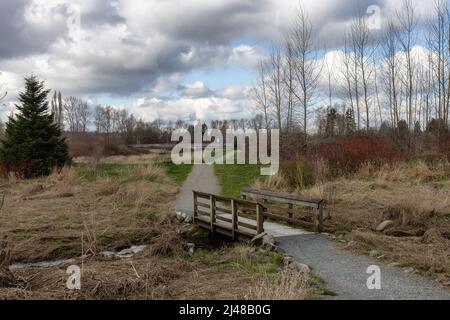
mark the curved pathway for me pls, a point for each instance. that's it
(343, 273)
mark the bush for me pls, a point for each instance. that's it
(348, 155)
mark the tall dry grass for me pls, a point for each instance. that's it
(288, 285)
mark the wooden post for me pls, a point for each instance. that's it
(213, 214)
(320, 218)
(234, 224)
(195, 206)
(259, 219)
(291, 215)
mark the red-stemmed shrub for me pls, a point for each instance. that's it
(347, 155)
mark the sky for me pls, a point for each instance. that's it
(168, 59)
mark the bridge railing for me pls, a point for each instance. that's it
(270, 201)
(239, 217)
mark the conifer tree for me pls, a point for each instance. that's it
(33, 145)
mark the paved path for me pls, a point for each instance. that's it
(343, 272)
(202, 179)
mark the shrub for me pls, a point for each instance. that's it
(348, 155)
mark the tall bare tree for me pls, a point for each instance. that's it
(307, 66)
(406, 33)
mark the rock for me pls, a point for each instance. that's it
(190, 247)
(395, 265)
(409, 270)
(258, 240)
(268, 241)
(384, 225)
(183, 217)
(300, 267)
(287, 261)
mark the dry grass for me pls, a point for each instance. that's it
(289, 285)
(72, 214)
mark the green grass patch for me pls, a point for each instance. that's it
(107, 170)
(234, 178)
(178, 173)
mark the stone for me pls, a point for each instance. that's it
(409, 270)
(384, 225)
(299, 267)
(287, 261)
(268, 241)
(183, 217)
(190, 247)
(258, 240)
(395, 265)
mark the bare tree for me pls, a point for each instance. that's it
(261, 95)
(363, 51)
(391, 71)
(275, 85)
(76, 114)
(307, 66)
(406, 34)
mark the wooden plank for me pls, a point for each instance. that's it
(247, 225)
(195, 209)
(221, 209)
(290, 213)
(234, 219)
(293, 221)
(203, 205)
(203, 213)
(259, 219)
(320, 219)
(213, 214)
(283, 198)
(222, 218)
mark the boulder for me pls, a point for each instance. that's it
(384, 225)
(299, 267)
(258, 240)
(287, 261)
(268, 241)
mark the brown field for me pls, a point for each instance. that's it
(92, 208)
(414, 196)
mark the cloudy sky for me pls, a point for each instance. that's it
(172, 59)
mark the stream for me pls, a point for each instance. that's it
(124, 254)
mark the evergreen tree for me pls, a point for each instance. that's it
(331, 122)
(33, 145)
(350, 125)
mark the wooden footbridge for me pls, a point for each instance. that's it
(245, 218)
